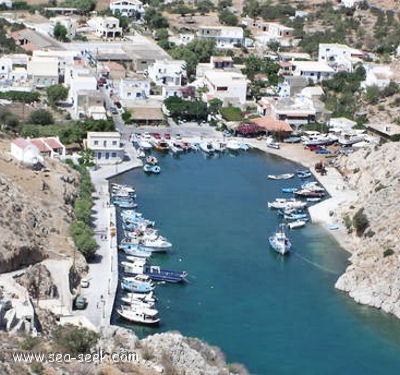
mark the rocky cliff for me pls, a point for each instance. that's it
(373, 278)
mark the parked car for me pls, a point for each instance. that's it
(322, 151)
(314, 148)
(84, 283)
(167, 136)
(114, 110)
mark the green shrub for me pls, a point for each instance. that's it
(74, 339)
(360, 221)
(388, 252)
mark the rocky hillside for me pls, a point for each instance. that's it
(373, 277)
(36, 213)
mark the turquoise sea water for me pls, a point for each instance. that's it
(274, 314)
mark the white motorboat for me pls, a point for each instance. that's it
(207, 147)
(283, 176)
(134, 303)
(283, 203)
(158, 243)
(139, 315)
(232, 145)
(297, 224)
(279, 241)
(218, 146)
(146, 297)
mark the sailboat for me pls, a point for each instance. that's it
(279, 241)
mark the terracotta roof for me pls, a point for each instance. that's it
(271, 124)
(285, 63)
(40, 145)
(53, 142)
(21, 142)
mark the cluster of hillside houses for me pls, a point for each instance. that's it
(130, 68)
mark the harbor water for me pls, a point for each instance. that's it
(274, 314)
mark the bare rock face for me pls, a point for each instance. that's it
(37, 281)
(373, 278)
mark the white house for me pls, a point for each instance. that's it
(224, 36)
(25, 151)
(167, 72)
(313, 70)
(229, 87)
(377, 75)
(339, 56)
(181, 39)
(106, 147)
(350, 3)
(44, 71)
(6, 66)
(7, 3)
(68, 22)
(132, 88)
(128, 8)
(106, 27)
(272, 31)
(78, 79)
(65, 57)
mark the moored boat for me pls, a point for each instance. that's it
(151, 160)
(232, 145)
(296, 224)
(286, 203)
(207, 147)
(279, 241)
(289, 190)
(138, 283)
(149, 168)
(283, 176)
(139, 315)
(161, 145)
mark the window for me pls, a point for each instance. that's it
(105, 143)
(96, 143)
(114, 143)
(113, 154)
(222, 88)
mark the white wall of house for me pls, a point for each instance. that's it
(377, 75)
(106, 147)
(69, 23)
(226, 85)
(44, 71)
(128, 8)
(106, 27)
(167, 72)
(79, 79)
(25, 152)
(5, 68)
(224, 36)
(134, 89)
(313, 70)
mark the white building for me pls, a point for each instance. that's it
(339, 56)
(68, 22)
(167, 72)
(7, 3)
(44, 71)
(350, 3)
(65, 57)
(229, 87)
(132, 88)
(313, 70)
(377, 75)
(106, 27)
(181, 39)
(106, 147)
(6, 67)
(128, 8)
(275, 32)
(78, 79)
(25, 151)
(224, 36)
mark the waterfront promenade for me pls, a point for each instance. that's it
(103, 271)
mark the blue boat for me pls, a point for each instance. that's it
(303, 173)
(139, 267)
(148, 168)
(295, 216)
(289, 190)
(292, 140)
(136, 251)
(138, 283)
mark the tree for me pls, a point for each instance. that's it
(75, 340)
(56, 93)
(214, 105)
(41, 117)
(60, 32)
(8, 120)
(205, 6)
(84, 6)
(226, 17)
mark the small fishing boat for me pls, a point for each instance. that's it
(296, 224)
(313, 199)
(279, 241)
(151, 160)
(149, 168)
(145, 297)
(139, 315)
(135, 251)
(292, 140)
(283, 176)
(233, 145)
(295, 216)
(135, 303)
(289, 190)
(161, 145)
(207, 147)
(305, 193)
(244, 146)
(303, 173)
(286, 203)
(138, 283)
(154, 272)
(151, 244)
